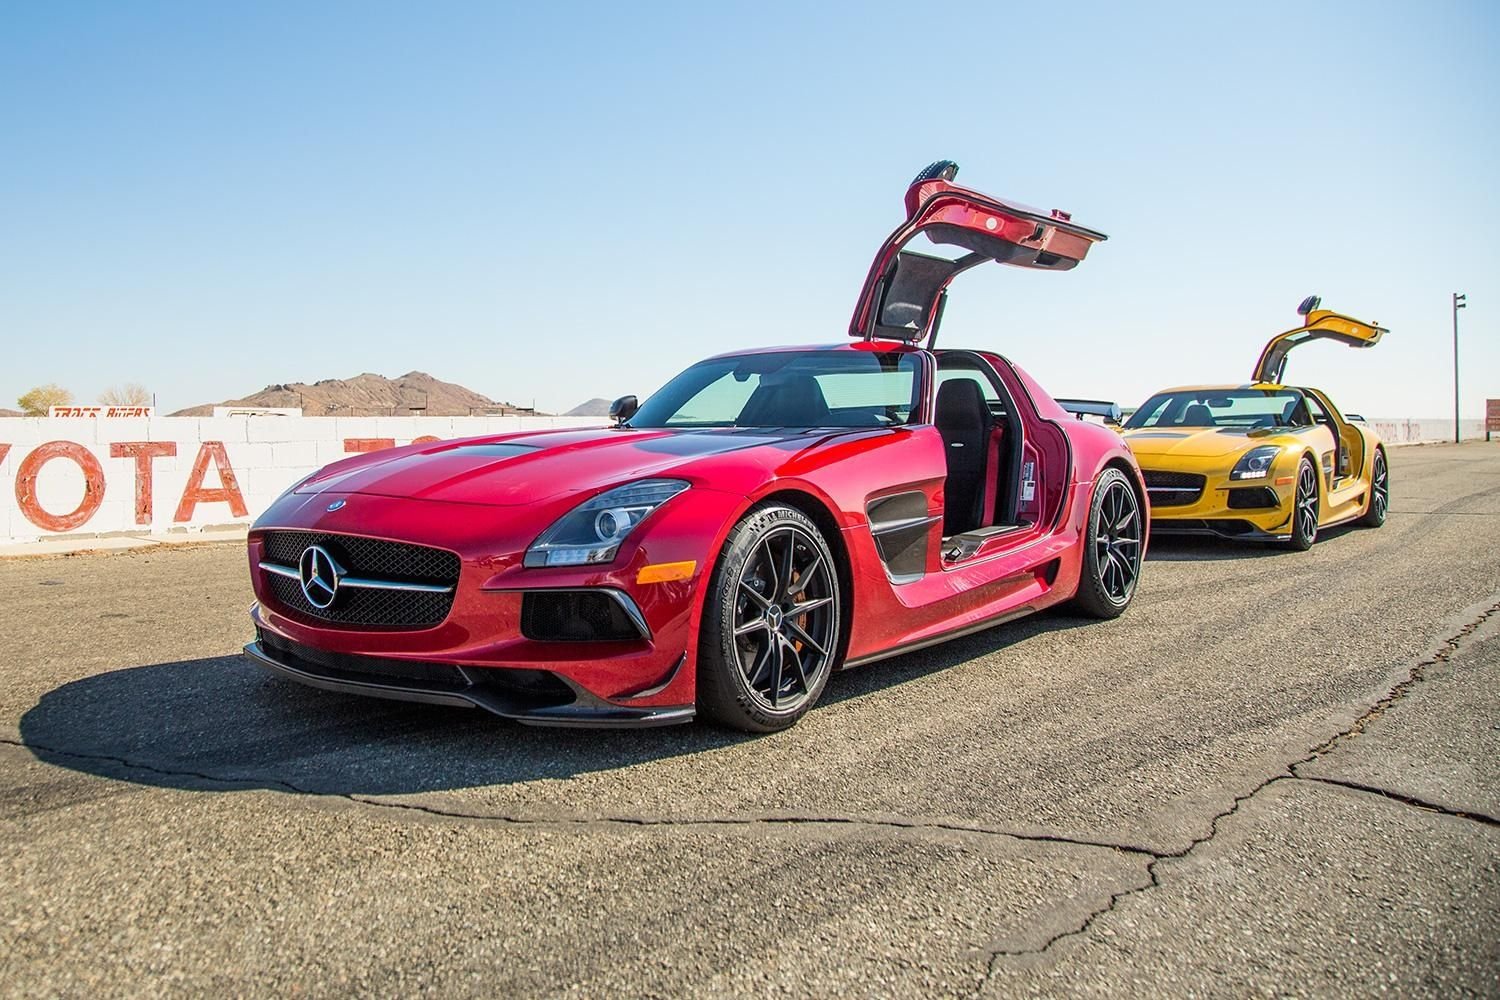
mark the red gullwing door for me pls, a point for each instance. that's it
(904, 292)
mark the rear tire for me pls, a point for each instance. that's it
(1111, 548)
(1380, 492)
(771, 624)
(1305, 508)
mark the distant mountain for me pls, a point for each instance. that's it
(10, 413)
(367, 395)
(595, 407)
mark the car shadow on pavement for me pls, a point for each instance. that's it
(1207, 548)
(222, 722)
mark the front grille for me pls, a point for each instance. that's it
(576, 616)
(373, 558)
(513, 684)
(1173, 489)
(1252, 498)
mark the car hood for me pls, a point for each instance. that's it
(520, 469)
(1195, 442)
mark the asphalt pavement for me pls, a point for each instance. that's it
(1276, 774)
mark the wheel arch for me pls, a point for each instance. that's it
(1132, 474)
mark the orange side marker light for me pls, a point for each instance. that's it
(666, 572)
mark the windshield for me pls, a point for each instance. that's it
(1239, 408)
(789, 389)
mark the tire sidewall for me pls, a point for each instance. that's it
(1375, 516)
(1092, 597)
(1298, 541)
(724, 694)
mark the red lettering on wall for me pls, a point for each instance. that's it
(4, 450)
(357, 446)
(93, 485)
(143, 452)
(195, 492)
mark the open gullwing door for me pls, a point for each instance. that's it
(904, 292)
(1318, 324)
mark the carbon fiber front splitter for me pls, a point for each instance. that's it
(585, 710)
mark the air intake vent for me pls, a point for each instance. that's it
(580, 616)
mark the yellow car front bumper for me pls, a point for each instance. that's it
(1189, 503)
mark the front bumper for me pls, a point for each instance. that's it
(465, 688)
(1222, 511)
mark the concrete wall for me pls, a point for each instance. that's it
(91, 477)
(1423, 430)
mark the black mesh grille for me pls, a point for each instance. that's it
(1174, 480)
(1173, 489)
(1252, 498)
(575, 616)
(366, 557)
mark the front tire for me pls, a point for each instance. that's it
(1112, 548)
(1380, 492)
(771, 623)
(1305, 508)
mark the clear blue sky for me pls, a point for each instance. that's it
(557, 202)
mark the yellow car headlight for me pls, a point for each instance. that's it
(1255, 463)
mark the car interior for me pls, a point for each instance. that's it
(981, 445)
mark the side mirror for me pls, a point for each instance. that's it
(623, 409)
(1308, 304)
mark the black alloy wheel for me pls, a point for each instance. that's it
(771, 627)
(1112, 553)
(1305, 508)
(1380, 492)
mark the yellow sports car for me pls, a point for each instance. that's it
(1262, 461)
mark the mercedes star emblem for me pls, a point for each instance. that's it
(319, 575)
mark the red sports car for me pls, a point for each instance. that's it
(766, 518)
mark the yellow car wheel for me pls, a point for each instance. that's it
(1305, 508)
(1380, 492)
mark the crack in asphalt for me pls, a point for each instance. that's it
(626, 820)
(1449, 646)
(1404, 799)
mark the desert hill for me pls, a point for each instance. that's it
(367, 395)
(10, 413)
(595, 407)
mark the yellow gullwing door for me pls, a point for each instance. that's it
(1319, 324)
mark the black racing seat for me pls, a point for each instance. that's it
(1198, 415)
(963, 419)
(786, 401)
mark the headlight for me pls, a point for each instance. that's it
(592, 531)
(1255, 463)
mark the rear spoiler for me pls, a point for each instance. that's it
(1081, 408)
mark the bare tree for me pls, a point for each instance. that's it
(39, 401)
(129, 394)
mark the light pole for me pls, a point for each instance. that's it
(1459, 302)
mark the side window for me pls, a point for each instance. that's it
(990, 395)
(1319, 414)
(986, 387)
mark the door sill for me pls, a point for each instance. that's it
(969, 544)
